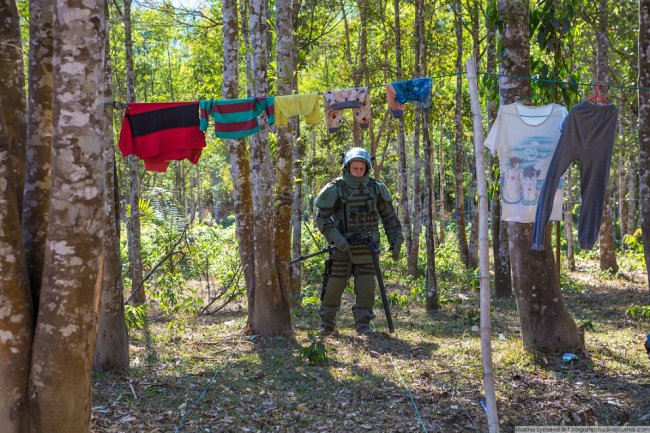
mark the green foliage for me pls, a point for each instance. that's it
(472, 318)
(396, 299)
(587, 324)
(568, 285)
(638, 312)
(135, 316)
(316, 353)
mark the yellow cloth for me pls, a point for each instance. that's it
(295, 105)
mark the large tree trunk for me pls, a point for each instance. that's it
(16, 320)
(545, 323)
(459, 160)
(112, 344)
(271, 312)
(606, 234)
(39, 141)
(404, 211)
(133, 236)
(644, 127)
(239, 158)
(284, 146)
(12, 93)
(65, 332)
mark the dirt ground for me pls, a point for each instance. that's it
(425, 377)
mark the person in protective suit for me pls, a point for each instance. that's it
(352, 205)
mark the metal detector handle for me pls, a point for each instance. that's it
(323, 251)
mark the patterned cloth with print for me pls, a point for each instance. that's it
(336, 101)
(417, 90)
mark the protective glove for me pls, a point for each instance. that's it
(339, 240)
(397, 246)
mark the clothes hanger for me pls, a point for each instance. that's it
(598, 97)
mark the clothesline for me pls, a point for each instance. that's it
(534, 78)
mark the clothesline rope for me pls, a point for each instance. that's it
(534, 78)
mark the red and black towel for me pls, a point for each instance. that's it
(162, 132)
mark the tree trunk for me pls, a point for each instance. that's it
(606, 234)
(39, 141)
(632, 189)
(484, 268)
(644, 128)
(112, 344)
(459, 160)
(12, 93)
(405, 211)
(568, 221)
(545, 323)
(420, 68)
(133, 236)
(502, 276)
(65, 332)
(284, 146)
(432, 293)
(271, 312)
(239, 158)
(16, 320)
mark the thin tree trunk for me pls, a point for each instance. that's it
(432, 292)
(442, 198)
(473, 234)
(112, 344)
(12, 93)
(568, 221)
(284, 145)
(16, 321)
(239, 158)
(133, 235)
(622, 181)
(405, 211)
(606, 234)
(644, 128)
(632, 190)
(545, 323)
(484, 268)
(420, 67)
(271, 312)
(64, 338)
(500, 253)
(39, 141)
(459, 160)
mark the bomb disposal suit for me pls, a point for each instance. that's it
(348, 206)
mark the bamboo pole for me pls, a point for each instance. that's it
(484, 265)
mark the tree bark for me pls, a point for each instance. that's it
(284, 146)
(606, 234)
(459, 159)
(404, 211)
(420, 67)
(39, 141)
(12, 93)
(644, 128)
(432, 292)
(545, 323)
(16, 319)
(502, 276)
(112, 343)
(65, 332)
(133, 235)
(568, 221)
(271, 312)
(632, 190)
(239, 158)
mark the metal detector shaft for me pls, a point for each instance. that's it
(323, 251)
(382, 288)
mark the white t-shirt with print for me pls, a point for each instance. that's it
(525, 138)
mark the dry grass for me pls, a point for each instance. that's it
(264, 385)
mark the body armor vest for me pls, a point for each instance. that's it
(358, 213)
